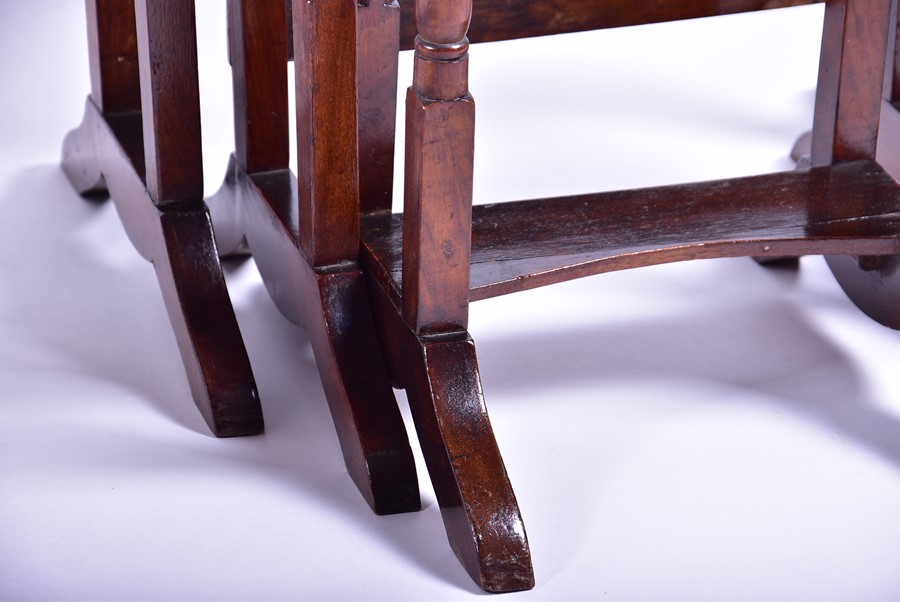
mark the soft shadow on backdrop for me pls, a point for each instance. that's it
(701, 431)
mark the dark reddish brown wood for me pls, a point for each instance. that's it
(107, 152)
(180, 245)
(289, 11)
(888, 153)
(327, 171)
(170, 98)
(331, 301)
(483, 522)
(307, 248)
(851, 208)
(477, 503)
(440, 129)
(334, 306)
(260, 92)
(495, 20)
(112, 51)
(851, 80)
(378, 43)
(849, 103)
(431, 353)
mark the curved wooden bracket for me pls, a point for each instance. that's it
(334, 305)
(180, 244)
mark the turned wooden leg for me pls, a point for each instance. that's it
(432, 354)
(140, 141)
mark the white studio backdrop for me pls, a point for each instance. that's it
(700, 431)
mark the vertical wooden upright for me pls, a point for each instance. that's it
(855, 44)
(378, 43)
(433, 355)
(328, 167)
(140, 142)
(440, 130)
(303, 231)
(170, 100)
(258, 35)
(855, 73)
(112, 52)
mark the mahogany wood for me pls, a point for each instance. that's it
(319, 285)
(851, 208)
(378, 42)
(851, 80)
(333, 304)
(496, 20)
(440, 138)
(856, 44)
(847, 204)
(305, 232)
(433, 355)
(112, 51)
(324, 42)
(260, 86)
(478, 506)
(170, 100)
(143, 148)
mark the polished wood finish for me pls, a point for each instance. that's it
(324, 41)
(496, 20)
(846, 204)
(440, 139)
(378, 42)
(298, 229)
(851, 80)
(856, 46)
(170, 100)
(397, 314)
(112, 51)
(260, 86)
(140, 142)
(333, 304)
(848, 209)
(424, 332)
(478, 506)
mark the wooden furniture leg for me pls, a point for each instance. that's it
(304, 232)
(433, 356)
(428, 264)
(140, 141)
(849, 104)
